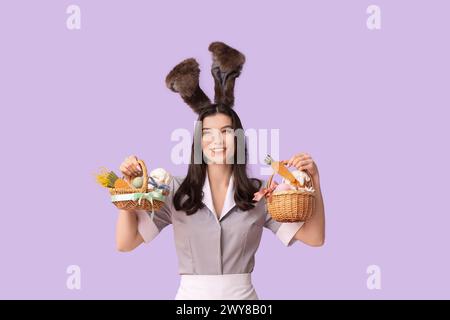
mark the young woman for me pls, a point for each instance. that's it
(217, 226)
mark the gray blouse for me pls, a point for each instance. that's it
(206, 244)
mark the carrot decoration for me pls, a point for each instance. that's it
(281, 169)
(120, 183)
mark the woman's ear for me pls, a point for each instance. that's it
(226, 67)
(184, 79)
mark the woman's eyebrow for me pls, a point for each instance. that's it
(224, 127)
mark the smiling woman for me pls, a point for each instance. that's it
(217, 225)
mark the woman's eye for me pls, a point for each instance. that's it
(228, 131)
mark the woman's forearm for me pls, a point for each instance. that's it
(313, 230)
(127, 235)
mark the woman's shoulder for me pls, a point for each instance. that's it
(176, 182)
(173, 187)
(178, 179)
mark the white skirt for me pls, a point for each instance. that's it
(216, 287)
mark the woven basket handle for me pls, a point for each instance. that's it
(144, 187)
(269, 181)
(309, 183)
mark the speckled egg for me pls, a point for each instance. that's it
(137, 182)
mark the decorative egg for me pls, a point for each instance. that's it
(301, 176)
(283, 187)
(137, 182)
(161, 176)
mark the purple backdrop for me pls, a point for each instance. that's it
(371, 106)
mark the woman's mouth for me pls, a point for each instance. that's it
(217, 151)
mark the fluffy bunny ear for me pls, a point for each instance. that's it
(184, 79)
(226, 67)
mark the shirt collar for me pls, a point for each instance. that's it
(229, 198)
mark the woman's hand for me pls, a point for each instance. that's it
(130, 168)
(303, 161)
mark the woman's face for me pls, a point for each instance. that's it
(218, 139)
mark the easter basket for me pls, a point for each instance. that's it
(291, 205)
(138, 198)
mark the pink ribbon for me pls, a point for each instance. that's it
(265, 192)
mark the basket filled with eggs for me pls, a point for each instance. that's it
(293, 199)
(147, 192)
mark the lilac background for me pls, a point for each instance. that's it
(370, 106)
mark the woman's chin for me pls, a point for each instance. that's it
(217, 160)
(222, 157)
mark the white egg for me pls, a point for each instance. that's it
(161, 176)
(301, 177)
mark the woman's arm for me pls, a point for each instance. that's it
(127, 235)
(313, 231)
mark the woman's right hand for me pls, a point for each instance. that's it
(130, 168)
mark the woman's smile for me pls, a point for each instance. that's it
(217, 149)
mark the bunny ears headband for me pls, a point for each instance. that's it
(226, 67)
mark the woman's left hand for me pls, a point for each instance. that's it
(303, 161)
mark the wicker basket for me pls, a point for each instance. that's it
(291, 205)
(141, 198)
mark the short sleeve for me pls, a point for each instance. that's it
(285, 231)
(149, 227)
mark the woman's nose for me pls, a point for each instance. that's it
(218, 138)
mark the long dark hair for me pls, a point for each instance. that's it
(192, 186)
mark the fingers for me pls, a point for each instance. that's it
(296, 160)
(126, 172)
(303, 162)
(300, 164)
(289, 163)
(309, 167)
(134, 165)
(130, 167)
